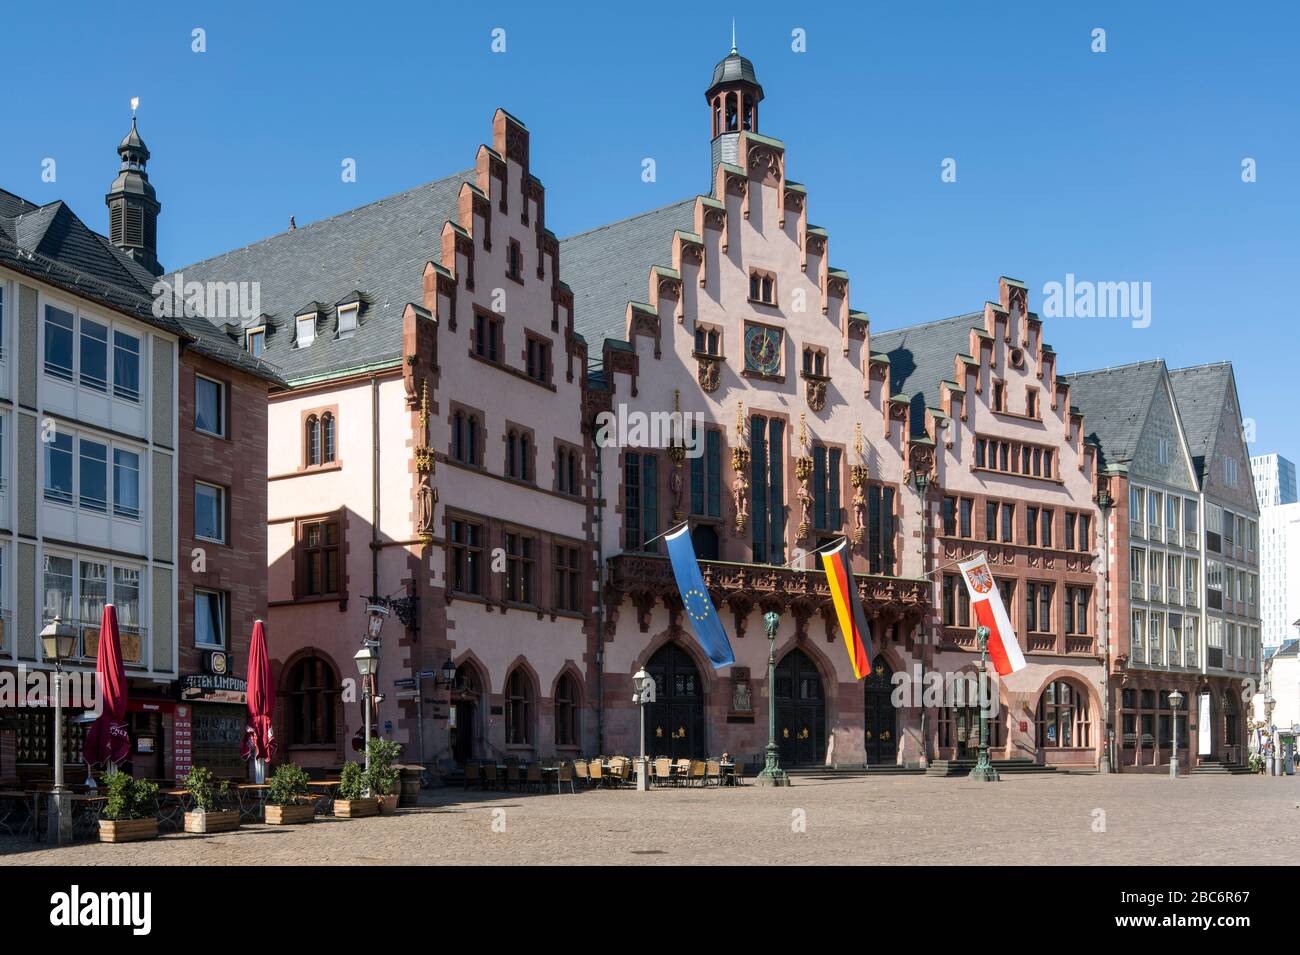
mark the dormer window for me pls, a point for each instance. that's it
(348, 320)
(305, 330)
(255, 341)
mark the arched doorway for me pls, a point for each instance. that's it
(880, 727)
(675, 721)
(800, 711)
(463, 724)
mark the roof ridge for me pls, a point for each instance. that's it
(923, 325)
(617, 222)
(1203, 365)
(320, 222)
(1131, 364)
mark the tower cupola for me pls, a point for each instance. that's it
(133, 206)
(733, 97)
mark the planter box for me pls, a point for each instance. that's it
(128, 830)
(212, 821)
(388, 804)
(290, 815)
(356, 808)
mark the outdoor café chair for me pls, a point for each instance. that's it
(566, 776)
(595, 772)
(580, 771)
(514, 778)
(534, 776)
(663, 771)
(472, 775)
(737, 772)
(697, 772)
(489, 775)
(713, 772)
(682, 770)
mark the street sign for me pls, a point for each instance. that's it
(428, 674)
(406, 683)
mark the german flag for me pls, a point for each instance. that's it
(848, 607)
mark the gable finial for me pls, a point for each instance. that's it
(733, 34)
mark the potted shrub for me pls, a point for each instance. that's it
(130, 813)
(383, 775)
(286, 799)
(351, 801)
(209, 794)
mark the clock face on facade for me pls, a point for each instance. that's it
(763, 349)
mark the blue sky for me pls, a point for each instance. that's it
(1117, 166)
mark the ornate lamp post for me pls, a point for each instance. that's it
(644, 685)
(59, 640)
(984, 771)
(772, 774)
(1175, 701)
(367, 660)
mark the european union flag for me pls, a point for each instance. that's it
(695, 598)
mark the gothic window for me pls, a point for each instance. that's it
(640, 501)
(767, 488)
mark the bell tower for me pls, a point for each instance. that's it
(132, 205)
(733, 99)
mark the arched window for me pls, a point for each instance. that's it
(731, 112)
(313, 441)
(512, 454)
(471, 439)
(312, 701)
(521, 471)
(567, 709)
(327, 437)
(573, 472)
(1063, 719)
(717, 115)
(749, 113)
(519, 709)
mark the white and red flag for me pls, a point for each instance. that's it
(986, 601)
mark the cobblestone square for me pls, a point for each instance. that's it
(1048, 819)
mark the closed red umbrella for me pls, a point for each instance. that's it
(259, 740)
(107, 740)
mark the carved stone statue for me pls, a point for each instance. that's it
(805, 503)
(426, 496)
(859, 517)
(675, 485)
(740, 494)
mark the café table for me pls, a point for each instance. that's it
(324, 800)
(172, 806)
(11, 800)
(251, 798)
(551, 771)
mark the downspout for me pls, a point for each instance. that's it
(374, 485)
(600, 601)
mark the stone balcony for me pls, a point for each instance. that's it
(646, 579)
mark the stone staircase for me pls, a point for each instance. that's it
(1005, 767)
(853, 771)
(1213, 766)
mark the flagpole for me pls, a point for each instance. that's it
(675, 527)
(812, 553)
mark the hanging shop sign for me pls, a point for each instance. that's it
(211, 688)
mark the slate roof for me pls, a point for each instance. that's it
(1202, 392)
(52, 244)
(1287, 648)
(609, 266)
(379, 249)
(1115, 403)
(921, 356)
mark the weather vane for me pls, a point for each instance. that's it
(135, 104)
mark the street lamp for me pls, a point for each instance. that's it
(367, 660)
(449, 673)
(644, 685)
(772, 774)
(59, 641)
(1175, 701)
(983, 771)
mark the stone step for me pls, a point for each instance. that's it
(962, 767)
